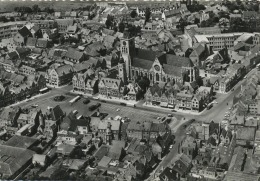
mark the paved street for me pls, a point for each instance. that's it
(217, 112)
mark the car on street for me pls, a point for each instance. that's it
(158, 118)
(75, 111)
(35, 105)
(86, 101)
(229, 108)
(170, 115)
(98, 105)
(214, 102)
(117, 110)
(96, 98)
(103, 101)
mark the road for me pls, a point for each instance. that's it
(217, 112)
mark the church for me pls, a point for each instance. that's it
(157, 66)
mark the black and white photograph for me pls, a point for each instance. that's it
(130, 90)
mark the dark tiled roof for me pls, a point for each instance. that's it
(42, 43)
(74, 54)
(11, 160)
(65, 69)
(13, 55)
(141, 63)
(147, 54)
(21, 141)
(177, 61)
(25, 32)
(31, 41)
(56, 113)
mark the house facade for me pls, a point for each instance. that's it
(59, 76)
(109, 87)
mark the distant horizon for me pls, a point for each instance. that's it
(64, 5)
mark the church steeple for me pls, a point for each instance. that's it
(122, 74)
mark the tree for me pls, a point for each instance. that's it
(3, 19)
(121, 27)
(133, 14)
(60, 174)
(109, 21)
(147, 14)
(182, 24)
(35, 8)
(196, 21)
(144, 83)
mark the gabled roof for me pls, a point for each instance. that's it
(25, 32)
(109, 82)
(56, 113)
(35, 28)
(11, 160)
(74, 54)
(42, 43)
(64, 69)
(31, 41)
(21, 142)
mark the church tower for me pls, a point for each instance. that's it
(127, 48)
(122, 74)
(108, 134)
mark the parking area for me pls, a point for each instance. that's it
(112, 109)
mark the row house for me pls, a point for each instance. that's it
(85, 82)
(184, 100)
(132, 90)
(63, 24)
(206, 93)
(30, 69)
(8, 65)
(147, 130)
(75, 56)
(17, 92)
(160, 96)
(59, 76)
(110, 87)
(109, 130)
(45, 25)
(21, 36)
(9, 116)
(234, 73)
(155, 9)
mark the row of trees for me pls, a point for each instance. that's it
(34, 9)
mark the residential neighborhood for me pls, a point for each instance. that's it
(130, 91)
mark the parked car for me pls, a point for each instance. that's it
(103, 101)
(170, 115)
(117, 109)
(35, 105)
(59, 98)
(122, 103)
(92, 108)
(86, 101)
(98, 105)
(171, 146)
